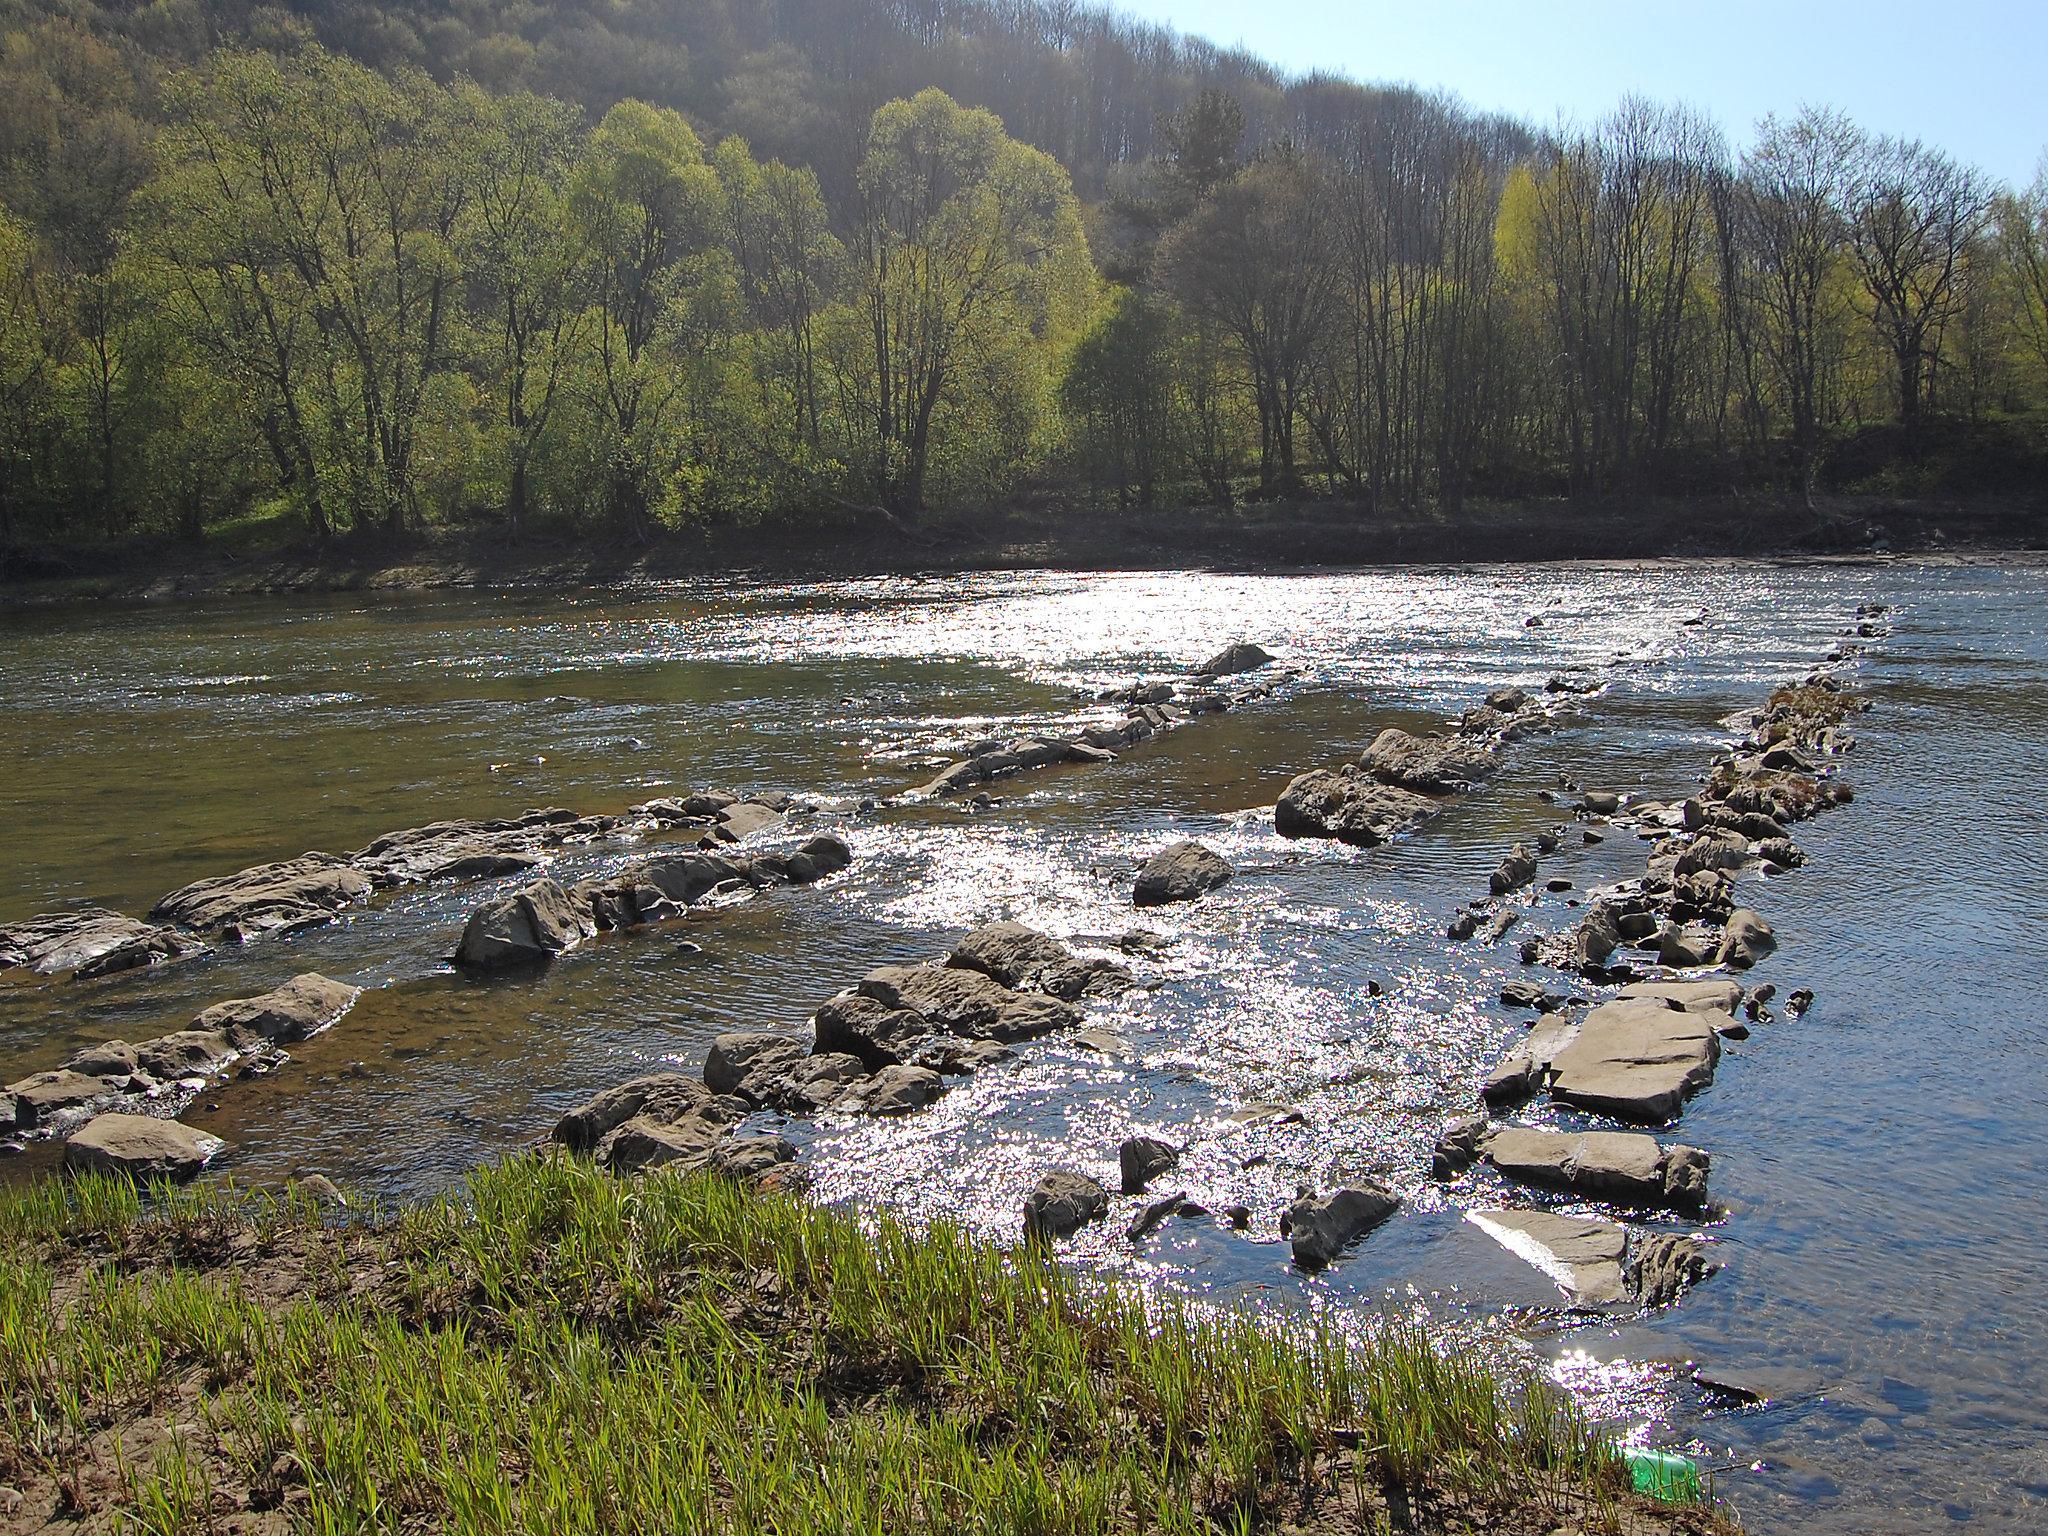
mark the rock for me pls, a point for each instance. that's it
(111, 1058)
(1603, 1165)
(1024, 959)
(818, 1082)
(963, 1002)
(647, 1142)
(93, 941)
(268, 898)
(1515, 871)
(1748, 940)
(1759, 1384)
(528, 927)
(188, 1053)
(744, 820)
(1666, 1265)
(872, 1031)
(301, 1008)
(1599, 935)
(1717, 850)
(1233, 659)
(1154, 1214)
(1179, 873)
(898, 1090)
(46, 1097)
(1600, 802)
(1351, 806)
(1063, 1202)
(1688, 946)
(1458, 1147)
(1320, 1227)
(1800, 1000)
(1584, 1255)
(1527, 994)
(660, 1097)
(1141, 1159)
(750, 1064)
(465, 850)
(1462, 927)
(1427, 764)
(1637, 1059)
(751, 1159)
(142, 1147)
(1713, 996)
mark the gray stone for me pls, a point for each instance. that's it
(964, 1003)
(861, 1026)
(1604, 1165)
(1426, 764)
(745, 819)
(1179, 873)
(1666, 1265)
(1022, 958)
(1748, 939)
(188, 1053)
(1153, 1214)
(302, 1007)
(528, 927)
(142, 1147)
(1320, 1227)
(1141, 1159)
(1585, 1256)
(1514, 871)
(45, 1097)
(1243, 656)
(1637, 1059)
(898, 1090)
(86, 941)
(1063, 1202)
(662, 1097)
(1351, 806)
(743, 1063)
(267, 898)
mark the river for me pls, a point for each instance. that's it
(1881, 1160)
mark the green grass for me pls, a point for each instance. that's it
(552, 1350)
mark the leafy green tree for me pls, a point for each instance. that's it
(1118, 395)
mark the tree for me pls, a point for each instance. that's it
(2023, 243)
(1118, 395)
(1787, 238)
(1201, 145)
(1255, 260)
(973, 270)
(1914, 214)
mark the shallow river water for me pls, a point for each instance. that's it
(1882, 1160)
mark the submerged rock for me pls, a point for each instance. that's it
(91, 942)
(1320, 1227)
(1061, 1203)
(142, 1147)
(1179, 873)
(301, 1008)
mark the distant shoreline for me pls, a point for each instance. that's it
(1274, 537)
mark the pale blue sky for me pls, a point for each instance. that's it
(1969, 75)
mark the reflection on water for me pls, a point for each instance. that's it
(1881, 1158)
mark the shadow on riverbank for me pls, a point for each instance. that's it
(1025, 535)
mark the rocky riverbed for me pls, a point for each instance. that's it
(1536, 977)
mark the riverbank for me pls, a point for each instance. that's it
(1265, 537)
(552, 1348)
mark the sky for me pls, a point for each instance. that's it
(1968, 75)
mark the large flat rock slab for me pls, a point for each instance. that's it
(1350, 806)
(1637, 1059)
(266, 898)
(1586, 1256)
(141, 1147)
(1608, 1165)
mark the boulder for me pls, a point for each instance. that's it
(528, 927)
(1179, 873)
(1585, 1255)
(661, 1097)
(1243, 656)
(1515, 871)
(470, 850)
(1351, 806)
(898, 1090)
(1063, 1202)
(1748, 939)
(1636, 1059)
(1599, 935)
(302, 1007)
(1600, 802)
(1687, 946)
(93, 941)
(1426, 764)
(1666, 1265)
(647, 1142)
(1717, 850)
(142, 1147)
(46, 1097)
(818, 1082)
(964, 1002)
(748, 1063)
(1602, 1165)
(1458, 1147)
(1024, 959)
(267, 898)
(872, 1031)
(110, 1058)
(751, 1159)
(1154, 1213)
(189, 1053)
(745, 819)
(1320, 1227)
(1141, 1159)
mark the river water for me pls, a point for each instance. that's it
(1882, 1160)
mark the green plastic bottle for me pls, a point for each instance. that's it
(1665, 1475)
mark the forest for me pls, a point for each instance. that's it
(798, 264)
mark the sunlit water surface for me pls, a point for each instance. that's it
(1882, 1159)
